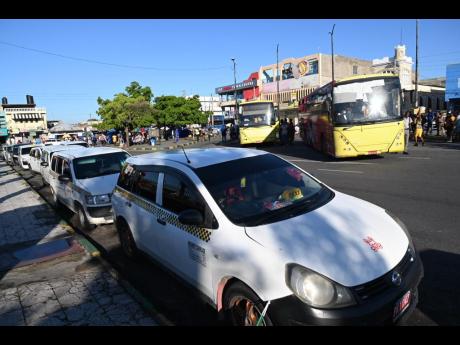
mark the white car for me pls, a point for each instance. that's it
(46, 155)
(264, 241)
(83, 180)
(24, 155)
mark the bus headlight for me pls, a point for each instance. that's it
(316, 290)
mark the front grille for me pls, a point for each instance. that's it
(97, 212)
(383, 283)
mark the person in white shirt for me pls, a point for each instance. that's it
(407, 124)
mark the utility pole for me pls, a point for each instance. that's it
(416, 63)
(277, 82)
(236, 101)
(332, 49)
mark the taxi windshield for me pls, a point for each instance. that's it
(99, 165)
(264, 189)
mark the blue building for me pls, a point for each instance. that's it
(3, 128)
(453, 87)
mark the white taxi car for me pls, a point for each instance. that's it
(264, 241)
(83, 180)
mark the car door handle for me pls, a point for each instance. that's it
(161, 221)
(127, 203)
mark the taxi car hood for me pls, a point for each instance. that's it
(100, 184)
(348, 240)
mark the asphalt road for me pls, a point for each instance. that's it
(421, 188)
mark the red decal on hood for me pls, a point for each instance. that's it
(375, 246)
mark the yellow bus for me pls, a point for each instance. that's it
(258, 122)
(357, 116)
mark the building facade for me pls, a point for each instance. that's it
(453, 86)
(25, 121)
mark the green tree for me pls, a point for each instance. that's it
(127, 110)
(173, 110)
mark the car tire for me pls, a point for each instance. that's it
(242, 307)
(128, 245)
(83, 223)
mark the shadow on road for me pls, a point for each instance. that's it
(439, 288)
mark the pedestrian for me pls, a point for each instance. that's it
(419, 129)
(429, 124)
(449, 126)
(291, 132)
(209, 133)
(437, 120)
(224, 134)
(407, 125)
(177, 134)
(456, 135)
(284, 132)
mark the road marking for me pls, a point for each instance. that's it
(313, 161)
(414, 157)
(304, 160)
(345, 171)
(363, 163)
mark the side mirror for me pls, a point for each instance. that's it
(191, 217)
(44, 164)
(64, 178)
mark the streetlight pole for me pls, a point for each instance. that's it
(277, 82)
(416, 63)
(332, 49)
(234, 86)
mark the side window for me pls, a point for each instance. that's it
(59, 165)
(66, 168)
(178, 196)
(145, 184)
(38, 154)
(53, 164)
(125, 178)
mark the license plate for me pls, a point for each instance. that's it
(401, 305)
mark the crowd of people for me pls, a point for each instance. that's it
(418, 125)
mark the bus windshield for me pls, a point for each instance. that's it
(256, 114)
(367, 101)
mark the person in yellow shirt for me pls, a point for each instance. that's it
(419, 130)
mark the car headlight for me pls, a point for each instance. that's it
(97, 199)
(404, 228)
(316, 290)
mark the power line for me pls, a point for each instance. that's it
(111, 64)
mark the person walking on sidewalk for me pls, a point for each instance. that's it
(419, 130)
(450, 122)
(429, 123)
(291, 132)
(407, 125)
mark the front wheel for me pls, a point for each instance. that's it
(242, 307)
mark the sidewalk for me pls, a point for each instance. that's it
(48, 274)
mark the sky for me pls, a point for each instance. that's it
(177, 57)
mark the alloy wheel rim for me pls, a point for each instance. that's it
(244, 312)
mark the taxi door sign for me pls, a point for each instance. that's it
(197, 253)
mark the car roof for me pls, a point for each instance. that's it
(88, 151)
(199, 157)
(55, 148)
(31, 145)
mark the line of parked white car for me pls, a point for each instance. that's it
(81, 178)
(264, 241)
